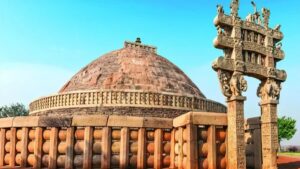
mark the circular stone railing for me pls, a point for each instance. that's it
(111, 98)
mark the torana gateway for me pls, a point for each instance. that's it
(132, 108)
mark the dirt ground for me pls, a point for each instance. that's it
(285, 162)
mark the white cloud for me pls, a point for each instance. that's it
(24, 82)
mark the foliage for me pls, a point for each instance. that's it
(13, 110)
(286, 128)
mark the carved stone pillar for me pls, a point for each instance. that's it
(232, 86)
(269, 132)
(236, 146)
(269, 91)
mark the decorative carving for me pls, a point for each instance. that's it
(266, 16)
(234, 7)
(269, 90)
(124, 98)
(232, 85)
(238, 84)
(239, 65)
(220, 31)
(255, 17)
(250, 18)
(277, 27)
(220, 9)
(271, 72)
(224, 78)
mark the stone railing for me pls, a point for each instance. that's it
(99, 141)
(200, 141)
(124, 98)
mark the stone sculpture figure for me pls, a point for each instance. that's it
(266, 16)
(257, 18)
(250, 18)
(269, 90)
(224, 82)
(234, 6)
(220, 9)
(238, 84)
(220, 31)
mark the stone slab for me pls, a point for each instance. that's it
(155, 122)
(90, 120)
(201, 118)
(26, 121)
(54, 121)
(6, 122)
(125, 121)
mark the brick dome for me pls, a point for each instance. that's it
(134, 67)
(133, 80)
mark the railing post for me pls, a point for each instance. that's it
(124, 148)
(192, 153)
(70, 148)
(172, 153)
(106, 148)
(12, 147)
(141, 161)
(38, 142)
(211, 140)
(158, 148)
(24, 150)
(2, 145)
(88, 146)
(53, 148)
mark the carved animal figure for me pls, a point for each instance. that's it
(237, 84)
(220, 9)
(269, 90)
(273, 90)
(250, 18)
(225, 84)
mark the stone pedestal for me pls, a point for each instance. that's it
(236, 145)
(269, 134)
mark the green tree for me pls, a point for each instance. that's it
(286, 128)
(13, 110)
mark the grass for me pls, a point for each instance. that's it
(297, 154)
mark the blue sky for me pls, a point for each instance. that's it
(43, 43)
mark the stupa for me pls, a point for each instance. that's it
(132, 108)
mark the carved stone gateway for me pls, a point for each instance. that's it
(251, 48)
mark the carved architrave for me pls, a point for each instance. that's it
(269, 90)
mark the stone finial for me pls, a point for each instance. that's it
(234, 6)
(266, 16)
(138, 45)
(138, 40)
